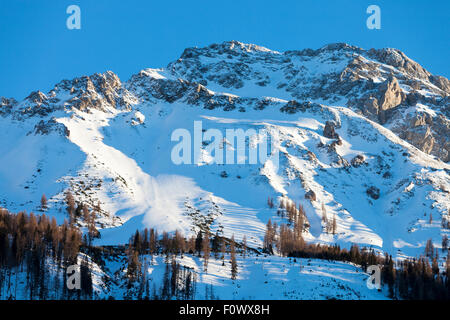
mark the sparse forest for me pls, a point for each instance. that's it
(408, 279)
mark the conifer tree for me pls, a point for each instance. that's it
(206, 251)
(199, 242)
(270, 203)
(435, 266)
(325, 218)
(444, 242)
(216, 242)
(334, 225)
(234, 266)
(70, 207)
(191, 245)
(429, 248)
(223, 249)
(244, 246)
(269, 236)
(153, 241)
(179, 243)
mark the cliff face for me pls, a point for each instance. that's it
(383, 85)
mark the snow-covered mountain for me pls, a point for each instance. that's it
(364, 135)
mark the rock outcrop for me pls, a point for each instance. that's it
(383, 85)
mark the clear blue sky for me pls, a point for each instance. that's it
(125, 36)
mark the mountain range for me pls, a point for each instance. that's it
(364, 138)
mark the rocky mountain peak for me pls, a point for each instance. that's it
(399, 60)
(231, 48)
(37, 97)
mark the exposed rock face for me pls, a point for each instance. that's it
(37, 97)
(373, 192)
(358, 161)
(390, 96)
(293, 107)
(441, 83)
(6, 105)
(429, 134)
(376, 104)
(45, 127)
(400, 61)
(147, 87)
(98, 91)
(421, 137)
